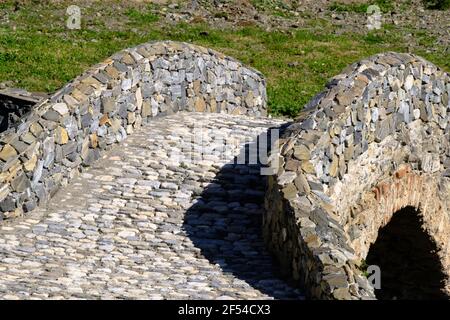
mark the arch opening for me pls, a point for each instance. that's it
(408, 260)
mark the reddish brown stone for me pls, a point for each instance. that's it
(104, 119)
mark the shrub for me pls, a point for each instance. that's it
(437, 4)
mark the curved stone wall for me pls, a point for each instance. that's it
(375, 141)
(109, 101)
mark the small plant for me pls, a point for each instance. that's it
(373, 38)
(220, 15)
(141, 17)
(363, 268)
(183, 165)
(7, 56)
(437, 4)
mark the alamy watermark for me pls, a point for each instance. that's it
(73, 21)
(374, 17)
(205, 144)
(374, 276)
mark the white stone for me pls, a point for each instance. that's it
(375, 114)
(61, 108)
(126, 234)
(126, 84)
(409, 81)
(286, 177)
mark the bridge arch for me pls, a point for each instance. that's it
(109, 101)
(375, 141)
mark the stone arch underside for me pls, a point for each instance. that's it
(374, 142)
(407, 255)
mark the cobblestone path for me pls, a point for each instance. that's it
(145, 223)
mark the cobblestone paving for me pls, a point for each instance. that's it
(144, 223)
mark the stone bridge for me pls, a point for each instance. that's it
(139, 179)
(374, 144)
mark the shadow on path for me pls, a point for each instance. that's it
(226, 224)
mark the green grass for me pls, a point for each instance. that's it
(38, 53)
(140, 17)
(363, 266)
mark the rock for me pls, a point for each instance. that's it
(337, 281)
(28, 138)
(7, 152)
(131, 118)
(85, 149)
(93, 140)
(91, 156)
(289, 192)
(139, 100)
(334, 167)
(302, 184)
(315, 186)
(146, 109)
(86, 120)
(35, 129)
(29, 205)
(126, 84)
(49, 151)
(8, 204)
(20, 183)
(61, 108)
(308, 124)
(52, 115)
(409, 82)
(70, 147)
(286, 177)
(104, 120)
(200, 105)
(61, 136)
(108, 105)
(302, 152)
(342, 294)
(292, 165)
(345, 98)
(116, 125)
(307, 167)
(30, 164)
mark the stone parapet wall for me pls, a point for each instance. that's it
(107, 103)
(375, 141)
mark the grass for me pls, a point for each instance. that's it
(139, 17)
(38, 53)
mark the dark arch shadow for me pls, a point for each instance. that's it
(226, 224)
(407, 257)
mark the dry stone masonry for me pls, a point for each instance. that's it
(107, 103)
(141, 224)
(152, 225)
(374, 142)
